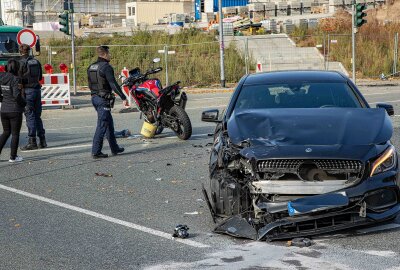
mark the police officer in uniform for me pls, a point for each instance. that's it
(101, 83)
(30, 74)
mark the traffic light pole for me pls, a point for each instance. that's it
(73, 52)
(353, 39)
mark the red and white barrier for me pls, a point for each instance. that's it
(259, 67)
(55, 90)
(127, 93)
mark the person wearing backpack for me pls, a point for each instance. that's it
(12, 107)
(31, 74)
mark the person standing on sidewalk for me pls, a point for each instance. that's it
(102, 83)
(12, 107)
(31, 74)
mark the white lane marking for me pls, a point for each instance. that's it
(106, 218)
(196, 135)
(200, 99)
(380, 253)
(61, 148)
(381, 93)
(55, 129)
(209, 107)
(389, 101)
(379, 228)
(47, 119)
(90, 145)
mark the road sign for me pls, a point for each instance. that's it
(26, 36)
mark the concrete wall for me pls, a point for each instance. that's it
(150, 12)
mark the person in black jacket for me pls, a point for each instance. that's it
(12, 107)
(102, 83)
(30, 74)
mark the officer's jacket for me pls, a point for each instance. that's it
(30, 72)
(10, 94)
(101, 79)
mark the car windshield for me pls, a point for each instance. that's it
(302, 95)
(8, 43)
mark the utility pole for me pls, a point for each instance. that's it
(396, 55)
(353, 39)
(221, 43)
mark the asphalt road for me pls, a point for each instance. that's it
(56, 213)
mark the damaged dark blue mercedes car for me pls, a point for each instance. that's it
(300, 153)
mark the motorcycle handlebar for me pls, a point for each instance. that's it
(155, 70)
(141, 76)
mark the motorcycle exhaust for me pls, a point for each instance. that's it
(183, 100)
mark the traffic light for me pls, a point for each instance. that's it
(360, 14)
(64, 22)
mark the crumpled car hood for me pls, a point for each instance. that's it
(310, 127)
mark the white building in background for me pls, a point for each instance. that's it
(150, 11)
(26, 12)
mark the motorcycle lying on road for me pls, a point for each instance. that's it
(161, 107)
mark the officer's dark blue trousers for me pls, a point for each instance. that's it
(33, 112)
(105, 126)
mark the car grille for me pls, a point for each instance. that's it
(293, 165)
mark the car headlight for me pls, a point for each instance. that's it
(385, 162)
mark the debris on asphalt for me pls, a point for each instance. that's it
(191, 213)
(103, 174)
(197, 145)
(159, 179)
(169, 164)
(299, 242)
(200, 200)
(181, 231)
(136, 136)
(176, 181)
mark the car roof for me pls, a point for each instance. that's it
(294, 76)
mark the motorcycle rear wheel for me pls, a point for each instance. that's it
(184, 130)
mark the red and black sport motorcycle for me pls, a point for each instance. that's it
(162, 107)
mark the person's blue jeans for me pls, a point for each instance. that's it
(105, 126)
(33, 112)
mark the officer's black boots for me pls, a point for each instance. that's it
(32, 145)
(100, 155)
(119, 151)
(42, 143)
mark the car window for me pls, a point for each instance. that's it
(304, 95)
(8, 43)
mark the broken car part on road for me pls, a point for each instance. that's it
(298, 154)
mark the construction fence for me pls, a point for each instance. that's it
(198, 64)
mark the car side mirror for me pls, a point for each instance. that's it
(389, 108)
(210, 116)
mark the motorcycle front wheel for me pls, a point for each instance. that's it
(183, 128)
